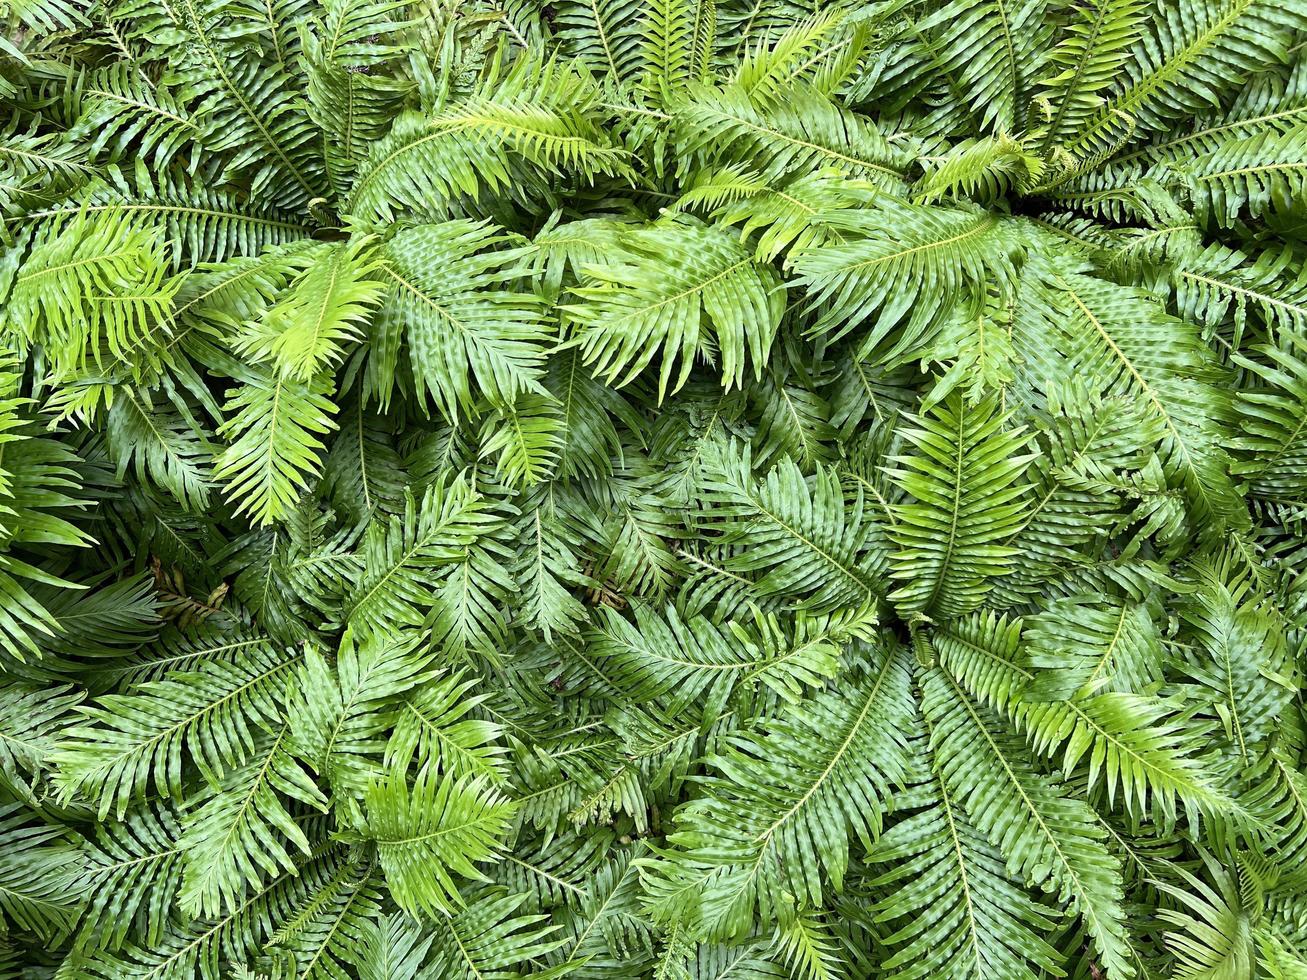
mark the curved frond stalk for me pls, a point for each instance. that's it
(250, 106)
(1048, 838)
(1237, 662)
(161, 445)
(1214, 934)
(132, 873)
(659, 655)
(354, 85)
(790, 216)
(130, 742)
(202, 947)
(604, 34)
(981, 170)
(325, 933)
(899, 270)
(339, 715)
(822, 49)
(1086, 61)
(30, 719)
(487, 939)
(541, 116)
(122, 111)
(682, 289)
(38, 864)
(448, 302)
(807, 785)
(429, 832)
(1218, 286)
(1084, 644)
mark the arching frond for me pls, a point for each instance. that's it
(131, 742)
(1129, 741)
(1114, 348)
(787, 138)
(1045, 836)
(322, 310)
(808, 785)
(681, 289)
(804, 540)
(93, 292)
(540, 116)
(445, 302)
(275, 424)
(955, 910)
(932, 260)
(429, 832)
(1216, 42)
(995, 49)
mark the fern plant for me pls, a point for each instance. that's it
(653, 489)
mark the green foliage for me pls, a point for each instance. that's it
(674, 489)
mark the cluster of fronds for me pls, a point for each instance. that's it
(653, 488)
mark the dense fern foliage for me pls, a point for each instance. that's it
(653, 489)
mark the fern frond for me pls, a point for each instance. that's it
(1219, 42)
(538, 115)
(1250, 177)
(428, 833)
(403, 555)
(995, 49)
(964, 466)
(276, 424)
(956, 910)
(237, 831)
(1113, 348)
(132, 874)
(805, 786)
(1130, 741)
(682, 289)
(322, 310)
(906, 278)
(802, 133)
(130, 742)
(1049, 839)
(802, 537)
(1270, 418)
(487, 939)
(446, 302)
(339, 714)
(93, 291)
